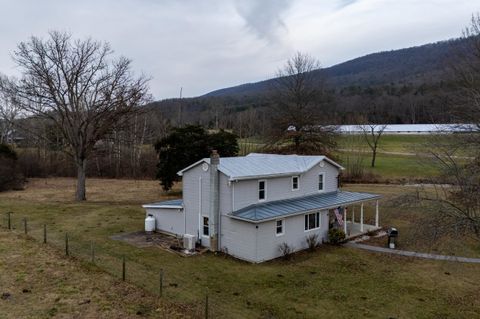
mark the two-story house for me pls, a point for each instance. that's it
(248, 206)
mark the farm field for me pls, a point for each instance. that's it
(334, 282)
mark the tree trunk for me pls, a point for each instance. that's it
(374, 156)
(80, 194)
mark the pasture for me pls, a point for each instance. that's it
(334, 282)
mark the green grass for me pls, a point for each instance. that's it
(332, 282)
(396, 167)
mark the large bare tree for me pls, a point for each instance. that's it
(78, 87)
(298, 119)
(372, 133)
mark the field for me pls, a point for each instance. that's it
(333, 282)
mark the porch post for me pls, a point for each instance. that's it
(353, 215)
(345, 220)
(376, 214)
(361, 217)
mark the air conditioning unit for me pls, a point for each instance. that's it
(189, 242)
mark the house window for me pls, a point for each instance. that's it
(206, 230)
(312, 221)
(295, 184)
(262, 190)
(279, 227)
(321, 178)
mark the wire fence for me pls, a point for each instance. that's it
(156, 281)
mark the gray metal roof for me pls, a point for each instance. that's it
(265, 165)
(294, 206)
(173, 203)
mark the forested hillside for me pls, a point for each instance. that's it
(401, 86)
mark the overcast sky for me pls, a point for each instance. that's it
(206, 45)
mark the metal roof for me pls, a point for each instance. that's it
(271, 210)
(173, 203)
(257, 165)
(411, 128)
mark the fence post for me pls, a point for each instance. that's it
(206, 305)
(9, 217)
(123, 268)
(25, 225)
(92, 252)
(66, 244)
(160, 290)
(44, 233)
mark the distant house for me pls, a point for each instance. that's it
(248, 206)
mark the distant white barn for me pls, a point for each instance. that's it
(413, 128)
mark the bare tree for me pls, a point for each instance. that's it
(456, 196)
(76, 86)
(372, 134)
(9, 112)
(298, 121)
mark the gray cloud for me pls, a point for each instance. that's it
(264, 18)
(210, 44)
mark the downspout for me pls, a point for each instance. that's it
(214, 200)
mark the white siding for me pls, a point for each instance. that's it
(169, 220)
(238, 239)
(246, 191)
(268, 242)
(196, 192)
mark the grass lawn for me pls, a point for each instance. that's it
(333, 282)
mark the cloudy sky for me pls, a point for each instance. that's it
(203, 45)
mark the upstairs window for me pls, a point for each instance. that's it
(279, 227)
(312, 221)
(206, 229)
(321, 182)
(295, 183)
(262, 188)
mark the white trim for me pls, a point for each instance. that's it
(163, 206)
(264, 190)
(203, 226)
(283, 227)
(323, 182)
(298, 183)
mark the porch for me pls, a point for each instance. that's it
(355, 225)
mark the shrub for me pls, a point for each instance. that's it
(336, 236)
(286, 250)
(9, 176)
(312, 242)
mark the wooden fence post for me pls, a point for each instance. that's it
(25, 225)
(160, 289)
(123, 268)
(92, 252)
(44, 233)
(66, 244)
(206, 305)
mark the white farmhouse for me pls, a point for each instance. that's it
(248, 206)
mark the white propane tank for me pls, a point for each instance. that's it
(149, 223)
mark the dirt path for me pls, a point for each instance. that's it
(413, 253)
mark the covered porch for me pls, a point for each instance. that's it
(352, 219)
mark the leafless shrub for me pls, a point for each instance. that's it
(312, 241)
(286, 250)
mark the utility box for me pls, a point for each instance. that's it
(392, 233)
(189, 242)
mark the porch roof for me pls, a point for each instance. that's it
(173, 203)
(261, 212)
